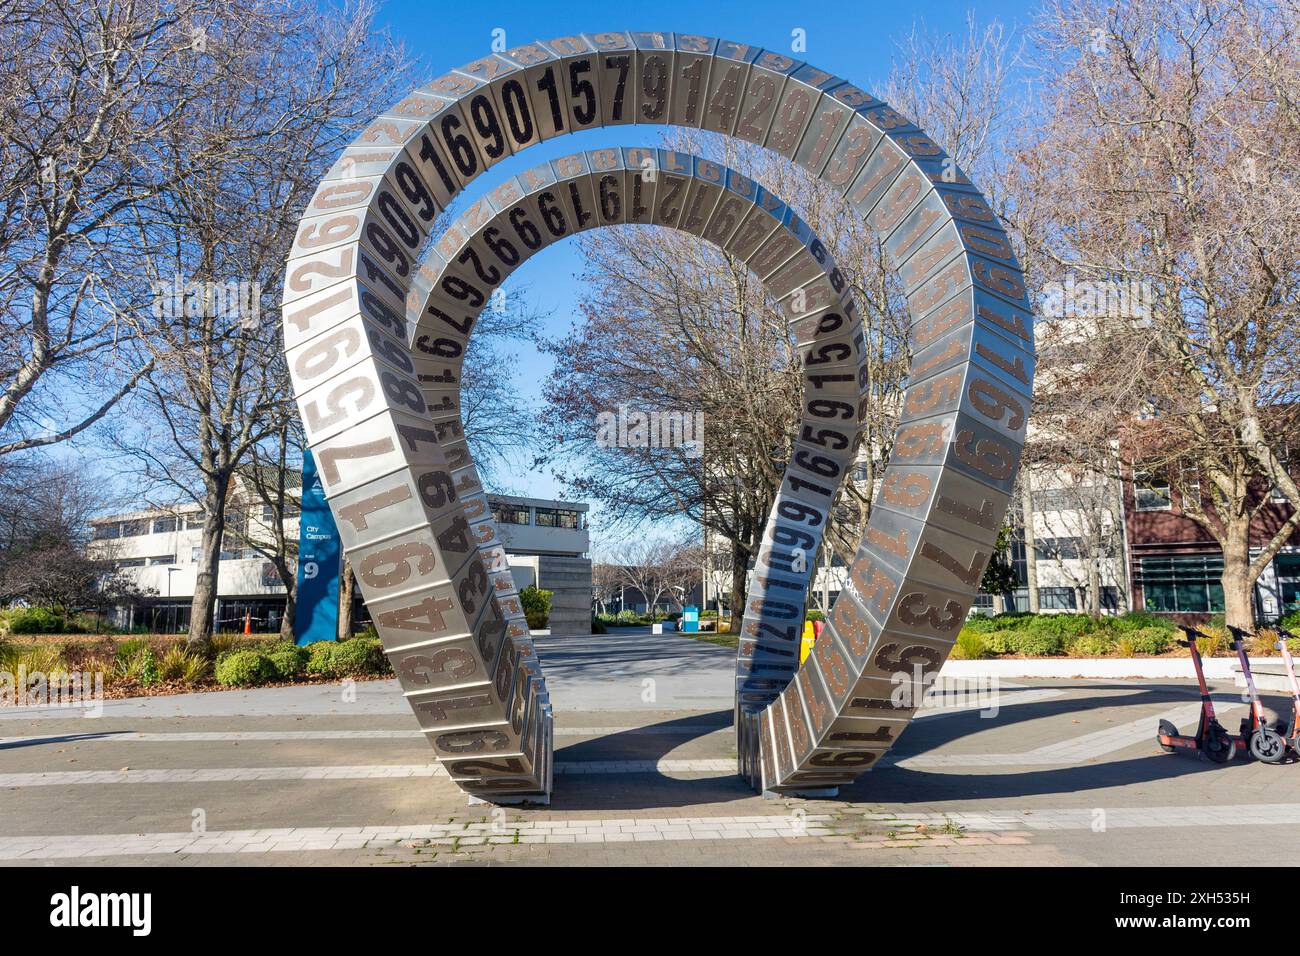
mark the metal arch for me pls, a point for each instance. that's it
(476, 253)
(948, 479)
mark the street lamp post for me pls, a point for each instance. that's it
(171, 610)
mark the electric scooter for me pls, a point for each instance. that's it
(1293, 737)
(1211, 740)
(1265, 743)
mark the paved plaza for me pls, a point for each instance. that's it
(1062, 772)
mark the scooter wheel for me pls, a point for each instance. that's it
(1220, 748)
(1267, 745)
(1166, 730)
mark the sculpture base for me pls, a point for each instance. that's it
(819, 793)
(511, 800)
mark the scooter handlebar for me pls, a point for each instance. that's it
(1240, 634)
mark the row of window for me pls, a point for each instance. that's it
(505, 513)
(1186, 583)
(227, 554)
(146, 562)
(1155, 497)
(1051, 599)
(134, 527)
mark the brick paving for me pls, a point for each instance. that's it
(1059, 773)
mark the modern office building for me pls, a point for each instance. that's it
(546, 542)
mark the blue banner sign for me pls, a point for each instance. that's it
(316, 617)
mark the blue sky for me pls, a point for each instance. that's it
(854, 40)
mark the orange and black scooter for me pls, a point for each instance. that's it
(1293, 735)
(1211, 740)
(1265, 743)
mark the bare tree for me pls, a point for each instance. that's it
(1161, 168)
(683, 568)
(605, 582)
(89, 93)
(301, 82)
(645, 565)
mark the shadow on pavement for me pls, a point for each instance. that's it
(60, 739)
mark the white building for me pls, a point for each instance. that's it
(546, 542)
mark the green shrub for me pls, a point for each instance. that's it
(598, 626)
(1064, 628)
(1094, 645)
(537, 606)
(34, 658)
(1010, 620)
(815, 614)
(970, 646)
(1000, 642)
(129, 649)
(1150, 640)
(980, 623)
(35, 620)
(244, 669)
(136, 661)
(1141, 620)
(708, 614)
(1037, 642)
(180, 664)
(287, 659)
(1213, 640)
(359, 657)
(320, 658)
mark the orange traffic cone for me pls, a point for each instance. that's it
(248, 622)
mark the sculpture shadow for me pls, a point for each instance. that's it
(59, 739)
(645, 790)
(889, 783)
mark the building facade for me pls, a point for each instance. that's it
(546, 543)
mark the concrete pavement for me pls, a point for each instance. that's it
(1058, 772)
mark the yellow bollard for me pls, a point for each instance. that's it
(806, 644)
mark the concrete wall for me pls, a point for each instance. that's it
(570, 581)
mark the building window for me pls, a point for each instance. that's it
(104, 532)
(1056, 599)
(559, 518)
(131, 529)
(1109, 597)
(505, 513)
(194, 522)
(1052, 499)
(131, 563)
(163, 559)
(164, 525)
(1150, 493)
(1047, 549)
(194, 554)
(1186, 583)
(983, 602)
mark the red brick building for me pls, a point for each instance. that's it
(1175, 564)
